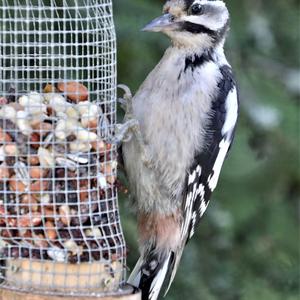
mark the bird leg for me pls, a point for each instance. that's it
(125, 132)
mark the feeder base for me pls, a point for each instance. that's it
(63, 278)
(13, 295)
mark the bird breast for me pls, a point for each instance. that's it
(172, 107)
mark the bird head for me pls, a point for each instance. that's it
(193, 23)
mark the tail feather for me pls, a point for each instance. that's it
(152, 272)
(136, 274)
(161, 277)
(172, 270)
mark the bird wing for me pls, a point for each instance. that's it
(204, 172)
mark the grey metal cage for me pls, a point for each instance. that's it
(60, 229)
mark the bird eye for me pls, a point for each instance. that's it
(196, 9)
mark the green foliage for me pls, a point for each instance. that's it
(247, 246)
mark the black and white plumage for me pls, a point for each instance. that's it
(187, 110)
(205, 170)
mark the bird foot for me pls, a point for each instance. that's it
(125, 132)
(126, 101)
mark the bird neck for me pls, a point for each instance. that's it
(215, 52)
(197, 42)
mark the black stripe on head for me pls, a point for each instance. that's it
(194, 28)
(197, 28)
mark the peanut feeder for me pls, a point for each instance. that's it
(60, 231)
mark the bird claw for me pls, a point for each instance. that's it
(126, 101)
(127, 93)
(123, 103)
(124, 132)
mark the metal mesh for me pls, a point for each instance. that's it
(59, 222)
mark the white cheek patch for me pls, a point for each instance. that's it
(212, 22)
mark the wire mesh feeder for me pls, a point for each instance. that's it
(60, 230)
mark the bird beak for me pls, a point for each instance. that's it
(162, 23)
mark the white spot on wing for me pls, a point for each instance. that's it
(196, 173)
(213, 179)
(188, 212)
(193, 223)
(201, 191)
(192, 177)
(231, 111)
(190, 215)
(202, 208)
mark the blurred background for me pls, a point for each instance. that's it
(247, 245)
